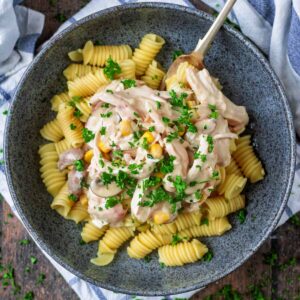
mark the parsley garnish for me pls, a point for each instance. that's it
(107, 115)
(214, 114)
(166, 120)
(167, 164)
(151, 182)
(198, 195)
(176, 239)
(242, 215)
(74, 100)
(41, 278)
(158, 104)
(215, 175)
(87, 135)
(111, 202)
(177, 101)
(73, 197)
(144, 144)
(135, 168)
(24, 242)
(172, 136)
(176, 53)
(107, 178)
(5, 113)
(128, 83)
(210, 142)
(208, 256)
(147, 259)
(111, 68)
(105, 105)
(77, 113)
(33, 259)
(151, 129)
(79, 165)
(103, 130)
(110, 92)
(29, 296)
(72, 126)
(205, 221)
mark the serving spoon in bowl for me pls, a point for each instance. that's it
(196, 57)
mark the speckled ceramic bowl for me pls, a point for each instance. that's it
(247, 79)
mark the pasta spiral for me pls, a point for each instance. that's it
(147, 50)
(181, 72)
(52, 131)
(232, 186)
(182, 253)
(57, 100)
(247, 160)
(219, 207)
(170, 228)
(85, 108)
(127, 69)
(233, 168)
(215, 227)
(91, 233)
(114, 238)
(171, 82)
(62, 146)
(146, 242)
(74, 71)
(66, 117)
(76, 55)
(153, 75)
(98, 55)
(186, 220)
(88, 84)
(78, 212)
(61, 203)
(51, 176)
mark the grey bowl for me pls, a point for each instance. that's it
(247, 79)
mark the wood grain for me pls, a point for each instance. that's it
(275, 283)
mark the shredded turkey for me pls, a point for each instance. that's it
(68, 157)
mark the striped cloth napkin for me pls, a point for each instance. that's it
(273, 25)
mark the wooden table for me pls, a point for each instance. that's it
(270, 275)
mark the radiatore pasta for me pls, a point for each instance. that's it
(144, 168)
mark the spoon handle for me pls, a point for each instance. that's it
(204, 44)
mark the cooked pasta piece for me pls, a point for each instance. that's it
(51, 176)
(213, 228)
(76, 55)
(145, 242)
(232, 186)
(185, 220)
(61, 202)
(88, 84)
(78, 212)
(232, 146)
(66, 118)
(74, 71)
(171, 83)
(62, 146)
(247, 160)
(233, 168)
(127, 69)
(114, 238)
(164, 228)
(59, 99)
(91, 233)
(223, 174)
(84, 107)
(219, 207)
(146, 52)
(181, 72)
(98, 55)
(153, 75)
(52, 131)
(103, 259)
(182, 253)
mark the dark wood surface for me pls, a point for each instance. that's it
(259, 278)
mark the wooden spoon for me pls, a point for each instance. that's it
(196, 57)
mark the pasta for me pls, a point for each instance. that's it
(52, 131)
(182, 253)
(220, 207)
(148, 49)
(91, 233)
(73, 134)
(74, 71)
(215, 227)
(144, 243)
(153, 75)
(247, 160)
(98, 55)
(160, 168)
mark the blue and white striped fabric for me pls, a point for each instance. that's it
(273, 25)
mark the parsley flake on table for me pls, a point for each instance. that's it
(128, 83)
(176, 53)
(167, 164)
(208, 256)
(29, 296)
(111, 68)
(171, 137)
(33, 259)
(107, 178)
(242, 215)
(110, 92)
(205, 221)
(87, 135)
(24, 242)
(74, 100)
(180, 185)
(77, 113)
(41, 278)
(210, 142)
(214, 113)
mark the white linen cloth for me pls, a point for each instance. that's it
(20, 28)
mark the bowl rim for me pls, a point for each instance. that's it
(186, 10)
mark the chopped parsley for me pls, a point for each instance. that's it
(30, 295)
(135, 168)
(79, 165)
(110, 92)
(172, 136)
(198, 195)
(73, 126)
(166, 120)
(176, 53)
(41, 278)
(102, 130)
(101, 162)
(107, 115)
(107, 178)
(147, 259)
(137, 135)
(123, 180)
(128, 83)
(208, 256)
(205, 221)
(242, 215)
(176, 239)
(73, 197)
(24, 242)
(105, 105)
(111, 68)
(87, 135)
(167, 164)
(214, 114)
(210, 142)
(151, 129)
(77, 113)
(111, 202)
(74, 100)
